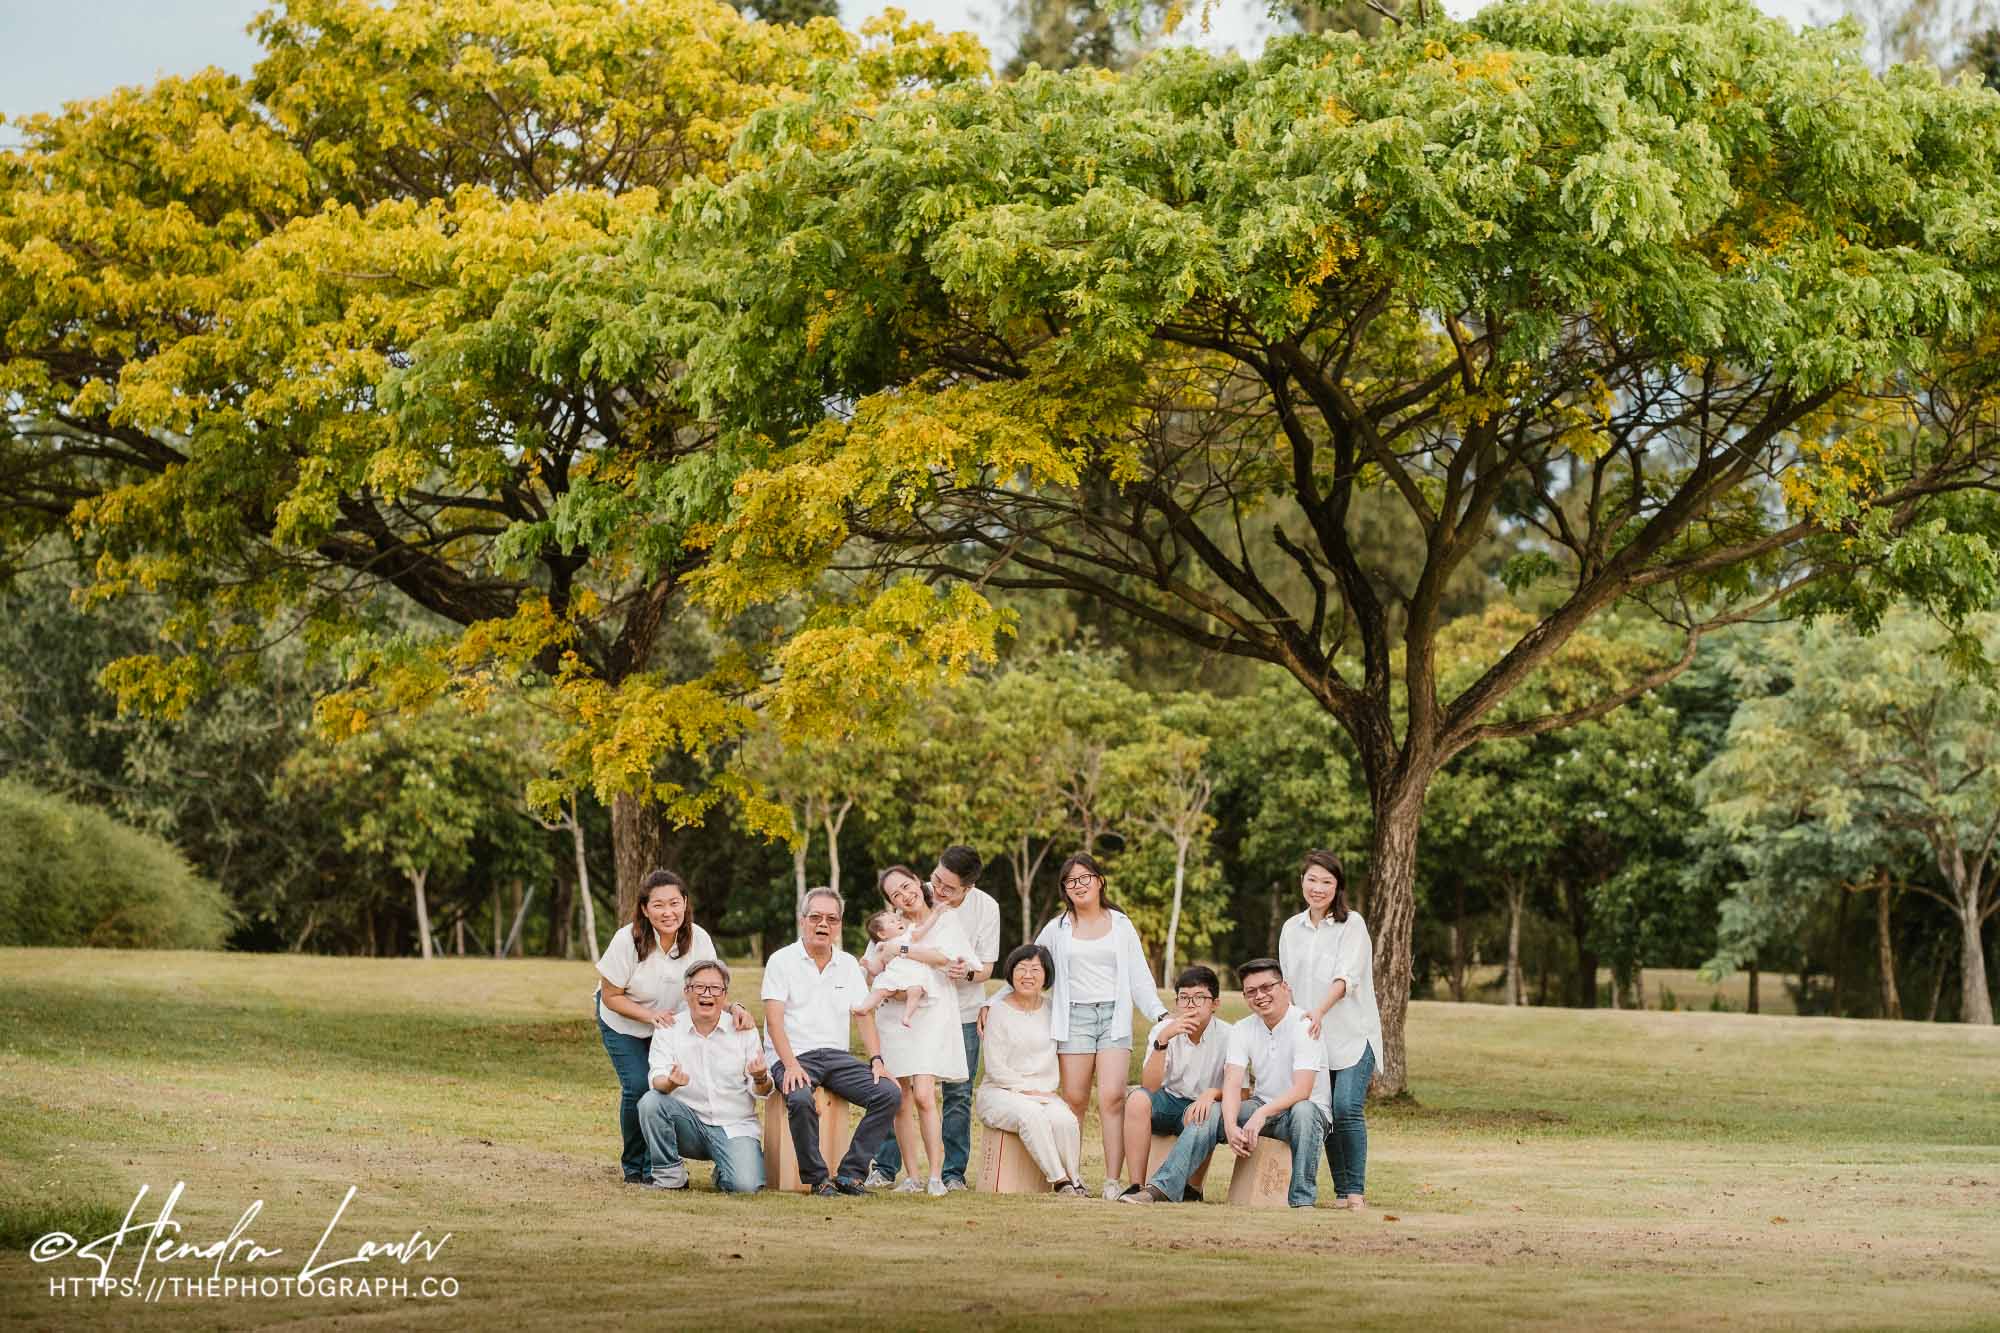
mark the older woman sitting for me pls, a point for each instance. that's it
(1020, 1092)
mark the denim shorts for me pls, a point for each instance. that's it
(1167, 1111)
(1094, 1028)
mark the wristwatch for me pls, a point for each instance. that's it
(1158, 1046)
(903, 949)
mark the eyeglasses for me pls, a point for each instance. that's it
(693, 989)
(1188, 999)
(1078, 881)
(1259, 992)
(823, 919)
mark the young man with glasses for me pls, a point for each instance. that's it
(1181, 1079)
(1286, 1069)
(706, 1076)
(810, 990)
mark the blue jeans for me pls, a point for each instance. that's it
(1301, 1127)
(956, 1115)
(673, 1132)
(628, 1061)
(1347, 1129)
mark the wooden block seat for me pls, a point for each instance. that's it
(1263, 1179)
(1005, 1167)
(781, 1159)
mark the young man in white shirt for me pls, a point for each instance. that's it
(1180, 1083)
(706, 1077)
(810, 990)
(1285, 1067)
(954, 888)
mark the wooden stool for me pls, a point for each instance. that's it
(1163, 1144)
(1263, 1179)
(1005, 1167)
(781, 1159)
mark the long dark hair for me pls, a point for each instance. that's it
(923, 885)
(642, 929)
(1086, 862)
(1327, 861)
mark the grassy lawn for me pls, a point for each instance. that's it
(1559, 1169)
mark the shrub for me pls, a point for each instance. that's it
(73, 875)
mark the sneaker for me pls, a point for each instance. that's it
(848, 1187)
(1147, 1194)
(1071, 1189)
(1191, 1195)
(937, 1189)
(825, 1190)
(1133, 1189)
(1112, 1189)
(878, 1179)
(956, 1183)
(910, 1185)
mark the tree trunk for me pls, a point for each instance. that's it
(458, 936)
(1174, 917)
(799, 854)
(1885, 949)
(1517, 893)
(499, 940)
(370, 920)
(562, 912)
(1392, 881)
(635, 847)
(1456, 933)
(1577, 902)
(1937, 984)
(1975, 1001)
(514, 935)
(1839, 952)
(583, 879)
(835, 819)
(1751, 1005)
(1273, 923)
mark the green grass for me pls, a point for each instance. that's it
(1557, 1169)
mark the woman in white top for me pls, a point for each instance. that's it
(1329, 963)
(1019, 1094)
(639, 988)
(1100, 973)
(930, 1048)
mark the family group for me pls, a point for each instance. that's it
(692, 1067)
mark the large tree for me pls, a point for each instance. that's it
(291, 351)
(1598, 281)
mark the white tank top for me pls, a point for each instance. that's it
(1093, 969)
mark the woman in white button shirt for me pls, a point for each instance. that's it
(1329, 963)
(1019, 1094)
(1100, 973)
(639, 988)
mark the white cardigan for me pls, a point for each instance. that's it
(1133, 976)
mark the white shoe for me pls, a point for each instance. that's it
(955, 1185)
(938, 1191)
(877, 1180)
(910, 1185)
(1112, 1189)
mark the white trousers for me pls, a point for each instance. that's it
(1048, 1129)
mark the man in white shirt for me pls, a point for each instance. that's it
(706, 1076)
(1284, 1066)
(810, 990)
(1180, 1082)
(954, 888)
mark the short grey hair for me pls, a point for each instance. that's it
(839, 903)
(706, 965)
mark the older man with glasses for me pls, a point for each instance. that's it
(810, 990)
(1285, 1067)
(1181, 1079)
(706, 1076)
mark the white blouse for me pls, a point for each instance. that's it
(1312, 959)
(1020, 1052)
(655, 983)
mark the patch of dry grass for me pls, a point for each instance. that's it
(1558, 1169)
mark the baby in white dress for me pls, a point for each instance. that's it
(903, 973)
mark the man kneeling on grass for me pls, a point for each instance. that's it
(706, 1076)
(1180, 1083)
(1285, 1068)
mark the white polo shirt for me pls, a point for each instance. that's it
(1272, 1054)
(978, 915)
(1193, 1068)
(718, 1089)
(655, 983)
(819, 1002)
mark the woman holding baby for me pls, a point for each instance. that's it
(921, 1042)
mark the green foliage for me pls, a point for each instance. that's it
(72, 875)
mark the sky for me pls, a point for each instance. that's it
(52, 51)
